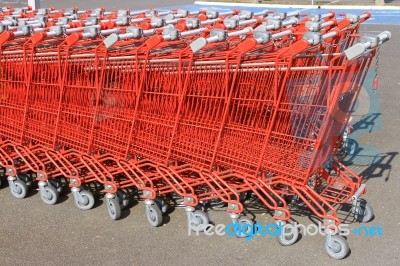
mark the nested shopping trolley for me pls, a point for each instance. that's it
(190, 106)
(277, 136)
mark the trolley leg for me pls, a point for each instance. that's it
(336, 246)
(362, 210)
(48, 193)
(83, 199)
(18, 188)
(234, 217)
(113, 206)
(290, 234)
(153, 213)
(245, 228)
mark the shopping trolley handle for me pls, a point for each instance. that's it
(245, 14)
(262, 13)
(119, 21)
(192, 23)
(63, 21)
(92, 21)
(212, 14)
(180, 13)
(5, 27)
(123, 12)
(152, 13)
(163, 13)
(18, 11)
(262, 36)
(132, 32)
(293, 14)
(278, 15)
(313, 26)
(169, 34)
(89, 33)
(281, 34)
(193, 32)
(54, 31)
(157, 22)
(9, 22)
(195, 12)
(209, 21)
(217, 35)
(270, 24)
(331, 22)
(35, 20)
(353, 18)
(315, 38)
(235, 21)
(70, 10)
(318, 17)
(36, 24)
(384, 36)
(81, 27)
(290, 21)
(172, 21)
(23, 31)
(369, 43)
(275, 24)
(366, 15)
(316, 26)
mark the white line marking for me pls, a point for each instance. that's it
(298, 6)
(334, 2)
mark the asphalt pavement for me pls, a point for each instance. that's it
(35, 234)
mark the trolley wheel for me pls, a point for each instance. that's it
(18, 189)
(162, 204)
(114, 208)
(198, 221)
(336, 247)
(352, 147)
(26, 179)
(154, 215)
(244, 220)
(363, 212)
(56, 184)
(49, 195)
(86, 200)
(289, 235)
(123, 199)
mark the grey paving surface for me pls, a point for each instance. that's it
(34, 234)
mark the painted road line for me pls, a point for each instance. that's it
(379, 16)
(327, 6)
